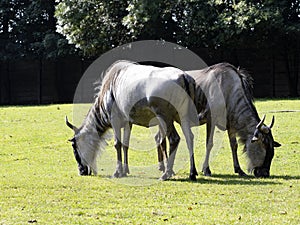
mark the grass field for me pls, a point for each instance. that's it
(39, 181)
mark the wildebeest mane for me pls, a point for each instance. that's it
(246, 79)
(247, 83)
(109, 75)
(104, 87)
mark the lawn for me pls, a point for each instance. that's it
(39, 181)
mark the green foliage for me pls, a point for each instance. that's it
(93, 26)
(152, 19)
(96, 26)
(28, 29)
(39, 181)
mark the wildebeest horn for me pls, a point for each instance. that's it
(75, 129)
(272, 122)
(259, 125)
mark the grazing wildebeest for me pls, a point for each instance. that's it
(224, 99)
(141, 95)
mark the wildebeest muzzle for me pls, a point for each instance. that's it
(84, 170)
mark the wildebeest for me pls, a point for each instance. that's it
(224, 99)
(142, 95)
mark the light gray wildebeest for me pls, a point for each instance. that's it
(224, 99)
(142, 95)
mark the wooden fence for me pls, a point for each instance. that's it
(40, 81)
(45, 81)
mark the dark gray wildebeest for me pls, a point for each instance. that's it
(142, 95)
(224, 99)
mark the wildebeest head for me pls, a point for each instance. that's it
(82, 167)
(261, 149)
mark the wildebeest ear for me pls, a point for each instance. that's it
(276, 144)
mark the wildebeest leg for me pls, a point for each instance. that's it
(126, 137)
(161, 151)
(174, 140)
(234, 146)
(210, 129)
(189, 137)
(118, 146)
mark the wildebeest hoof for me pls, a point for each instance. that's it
(167, 175)
(124, 174)
(193, 177)
(117, 174)
(242, 173)
(126, 171)
(206, 171)
(193, 174)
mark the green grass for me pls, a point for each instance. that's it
(39, 181)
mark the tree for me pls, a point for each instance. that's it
(212, 23)
(93, 26)
(152, 19)
(28, 29)
(100, 25)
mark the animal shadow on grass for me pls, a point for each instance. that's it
(230, 179)
(285, 177)
(220, 179)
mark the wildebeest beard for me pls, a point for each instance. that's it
(260, 155)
